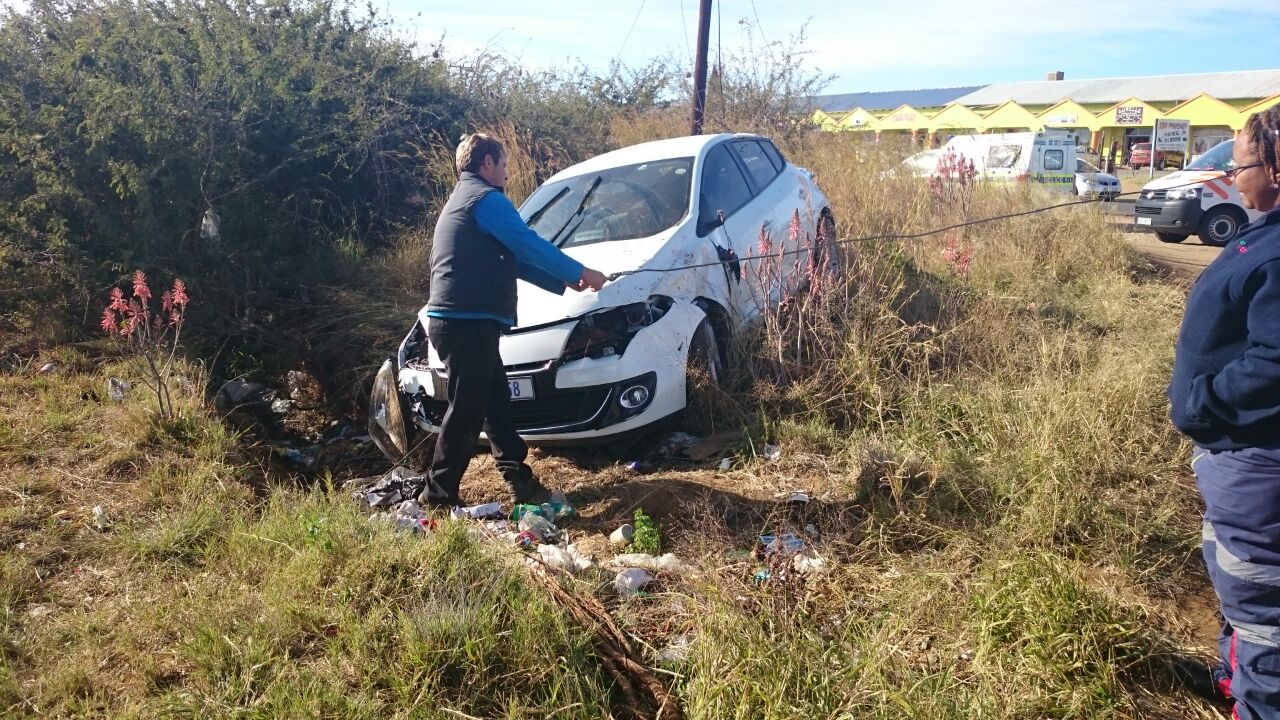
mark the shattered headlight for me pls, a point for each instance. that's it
(605, 333)
(1187, 193)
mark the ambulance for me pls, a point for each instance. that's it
(1197, 200)
(1047, 157)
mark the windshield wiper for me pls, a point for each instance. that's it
(581, 206)
(542, 210)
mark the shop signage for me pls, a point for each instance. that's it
(1129, 115)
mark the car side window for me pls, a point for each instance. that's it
(758, 164)
(724, 189)
(1053, 159)
(775, 157)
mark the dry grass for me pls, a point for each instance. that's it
(1009, 527)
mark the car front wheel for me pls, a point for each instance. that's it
(1221, 225)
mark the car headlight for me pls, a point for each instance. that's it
(608, 332)
(1188, 193)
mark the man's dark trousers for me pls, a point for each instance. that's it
(479, 398)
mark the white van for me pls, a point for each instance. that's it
(1199, 199)
(1047, 157)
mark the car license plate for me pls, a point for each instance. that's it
(1144, 221)
(521, 388)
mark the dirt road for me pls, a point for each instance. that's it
(1185, 259)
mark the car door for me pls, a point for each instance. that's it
(778, 198)
(723, 190)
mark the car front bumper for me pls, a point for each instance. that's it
(1180, 216)
(577, 402)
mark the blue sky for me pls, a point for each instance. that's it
(876, 46)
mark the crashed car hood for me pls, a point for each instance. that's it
(539, 307)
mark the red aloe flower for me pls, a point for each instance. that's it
(140, 289)
(166, 301)
(117, 300)
(765, 244)
(179, 293)
(109, 323)
(793, 230)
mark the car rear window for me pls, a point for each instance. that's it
(759, 166)
(775, 157)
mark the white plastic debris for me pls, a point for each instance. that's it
(772, 453)
(487, 510)
(100, 519)
(565, 558)
(47, 368)
(677, 650)
(808, 561)
(628, 582)
(725, 464)
(621, 537)
(664, 563)
(793, 496)
(116, 388)
(538, 526)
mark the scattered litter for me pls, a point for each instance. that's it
(100, 519)
(676, 444)
(665, 563)
(628, 582)
(565, 558)
(47, 368)
(541, 528)
(794, 496)
(725, 464)
(527, 540)
(677, 650)
(739, 555)
(812, 531)
(787, 544)
(280, 406)
(638, 466)
(235, 393)
(808, 561)
(409, 516)
(621, 537)
(296, 456)
(116, 388)
(772, 453)
(477, 512)
(400, 483)
(762, 576)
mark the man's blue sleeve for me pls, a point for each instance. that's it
(497, 216)
(541, 278)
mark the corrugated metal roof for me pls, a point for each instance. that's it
(1157, 88)
(933, 97)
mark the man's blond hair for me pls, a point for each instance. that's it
(473, 149)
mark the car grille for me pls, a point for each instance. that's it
(1139, 210)
(1154, 194)
(561, 408)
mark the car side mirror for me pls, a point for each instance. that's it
(708, 219)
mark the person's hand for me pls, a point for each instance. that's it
(593, 279)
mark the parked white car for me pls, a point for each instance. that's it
(1090, 181)
(586, 367)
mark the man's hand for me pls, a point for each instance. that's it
(593, 279)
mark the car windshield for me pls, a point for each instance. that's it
(1084, 167)
(1218, 158)
(622, 203)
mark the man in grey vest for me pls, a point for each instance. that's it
(481, 247)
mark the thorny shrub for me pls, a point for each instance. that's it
(150, 334)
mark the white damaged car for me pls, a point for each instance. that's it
(587, 367)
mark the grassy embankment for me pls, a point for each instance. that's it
(1009, 525)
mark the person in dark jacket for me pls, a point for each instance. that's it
(1225, 396)
(480, 248)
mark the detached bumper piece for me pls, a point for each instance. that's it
(386, 417)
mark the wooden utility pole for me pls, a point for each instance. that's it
(700, 67)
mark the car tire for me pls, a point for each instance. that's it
(1167, 237)
(1221, 225)
(1160, 164)
(704, 354)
